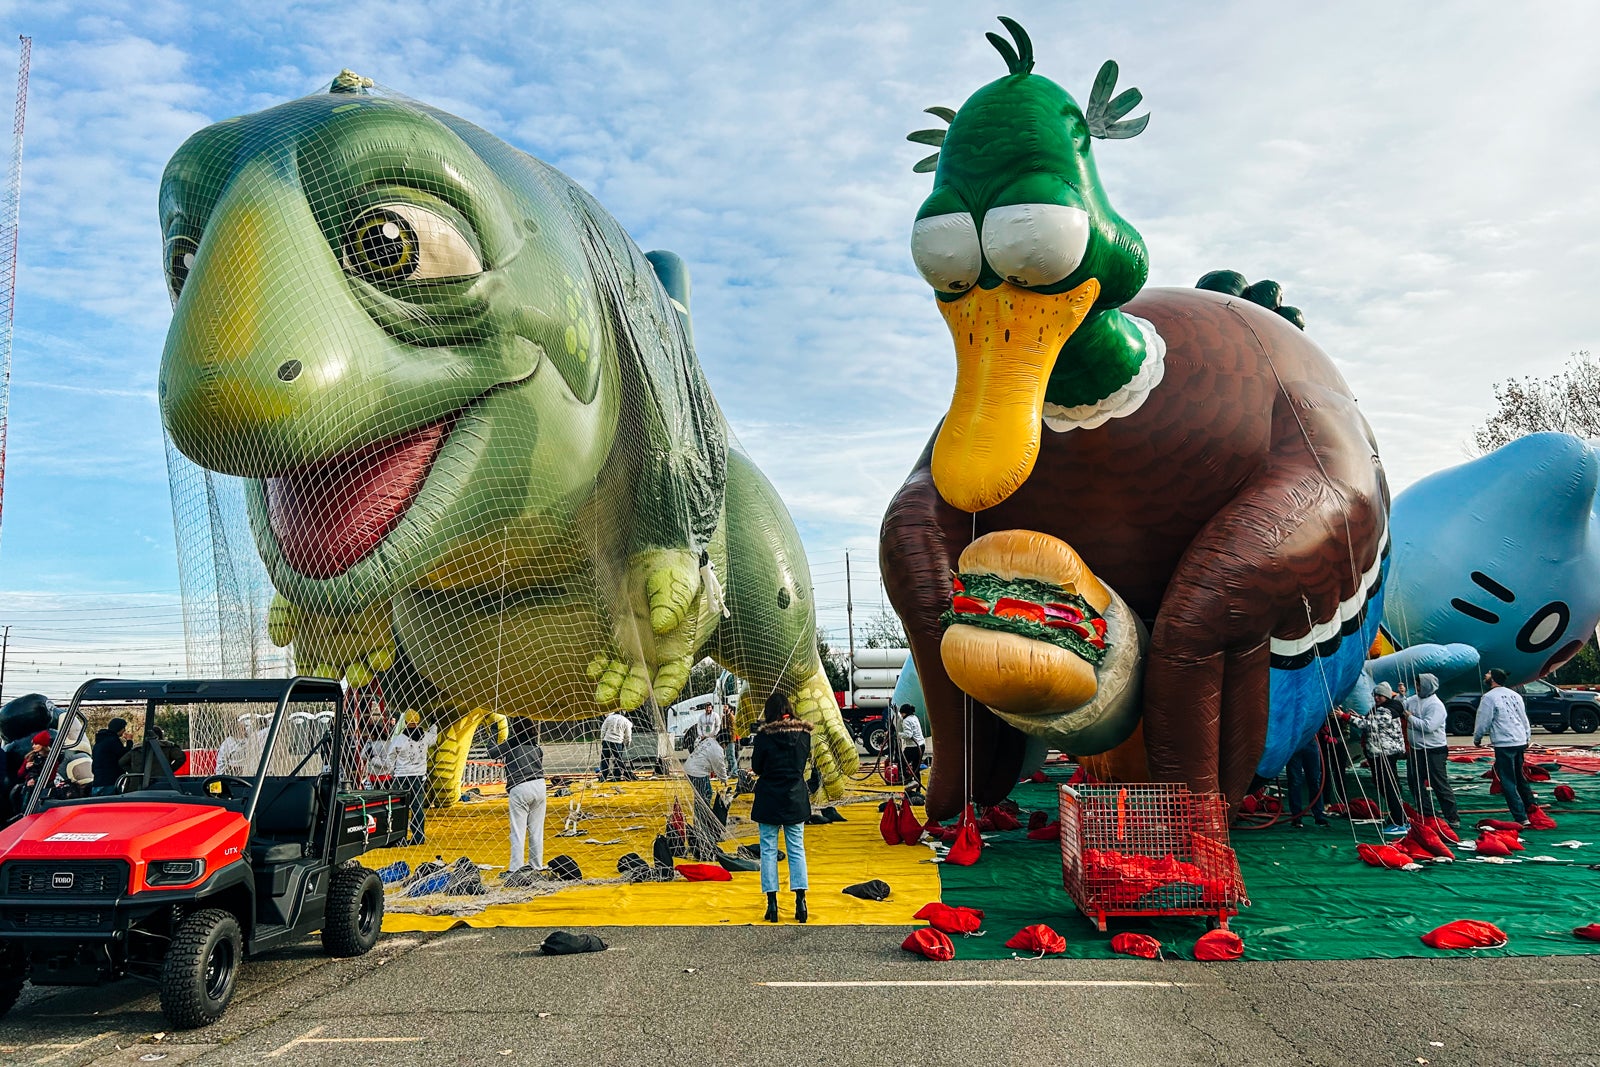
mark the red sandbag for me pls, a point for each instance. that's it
(1050, 831)
(1538, 819)
(1362, 808)
(704, 872)
(1588, 933)
(1412, 814)
(968, 845)
(951, 920)
(1565, 794)
(1036, 819)
(1430, 841)
(1532, 772)
(1081, 776)
(1038, 939)
(1413, 848)
(910, 828)
(1271, 804)
(1499, 824)
(1465, 933)
(1512, 838)
(1038, 777)
(1463, 759)
(930, 943)
(1249, 805)
(889, 824)
(1001, 819)
(1445, 831)
(1492, 844)
(1131, 944)
(1382, 856)
(1219, 945)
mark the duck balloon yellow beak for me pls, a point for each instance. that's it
(1007, 340)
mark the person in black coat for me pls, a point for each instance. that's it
(110, 745)
(782, 801)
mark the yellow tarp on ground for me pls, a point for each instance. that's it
(626, 817)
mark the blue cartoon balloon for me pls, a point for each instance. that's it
(1503, 554)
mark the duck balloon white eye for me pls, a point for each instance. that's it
(1035, 244)
(404, 242)
(946, 251)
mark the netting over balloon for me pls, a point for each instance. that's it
(437, 427)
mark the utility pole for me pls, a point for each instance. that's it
(10, 216)
(850, 625)
(5, 646)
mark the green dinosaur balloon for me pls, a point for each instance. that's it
(479, 453)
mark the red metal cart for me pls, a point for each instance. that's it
(1148, 849)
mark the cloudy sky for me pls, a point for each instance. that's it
(1419, 177)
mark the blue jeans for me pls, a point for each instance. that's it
(1305, 780)
(794, 837)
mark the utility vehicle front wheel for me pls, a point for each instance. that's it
(199, 969)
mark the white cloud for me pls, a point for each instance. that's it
(1418, 180)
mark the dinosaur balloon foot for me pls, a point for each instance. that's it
(356, 646)
(1033, 634)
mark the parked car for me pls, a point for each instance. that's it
(1552, 708)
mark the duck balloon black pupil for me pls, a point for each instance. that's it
(385, 247)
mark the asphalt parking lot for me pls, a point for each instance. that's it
(834, 995)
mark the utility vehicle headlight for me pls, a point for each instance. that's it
(175, 872)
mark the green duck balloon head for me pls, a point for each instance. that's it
(1021, 247)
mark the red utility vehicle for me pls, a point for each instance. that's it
(175, 877)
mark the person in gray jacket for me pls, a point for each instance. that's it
(1503, 718)
(1429, 764)
(525, 789)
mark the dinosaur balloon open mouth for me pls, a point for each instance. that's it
(329, 516)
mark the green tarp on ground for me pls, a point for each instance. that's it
(1311, 898)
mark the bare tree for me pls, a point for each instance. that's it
(1567, 401)
(883, 630)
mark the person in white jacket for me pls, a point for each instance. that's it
(1503, 718)
(616, 734)
(1428, 767)
(705, 763)
(408, 751)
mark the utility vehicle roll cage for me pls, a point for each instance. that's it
(277, 691)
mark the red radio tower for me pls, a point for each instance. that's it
(9, 223)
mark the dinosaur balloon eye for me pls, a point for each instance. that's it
(180, 260)
(946, 251)
(403, 242)
(1035, 244)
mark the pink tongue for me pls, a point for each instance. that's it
(329, 517)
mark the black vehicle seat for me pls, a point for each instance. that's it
(284, 820)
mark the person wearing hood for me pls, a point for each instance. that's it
(110, 745)
(1385, 736)
(782, 802)
(1430, 749)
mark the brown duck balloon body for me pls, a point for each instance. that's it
(1203, 457)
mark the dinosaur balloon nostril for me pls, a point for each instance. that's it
(289, 371)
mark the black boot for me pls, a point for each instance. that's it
(772, 907)
(800, 913)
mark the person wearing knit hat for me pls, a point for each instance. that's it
(1427, 769)
(1386, 743)
(31, 769)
